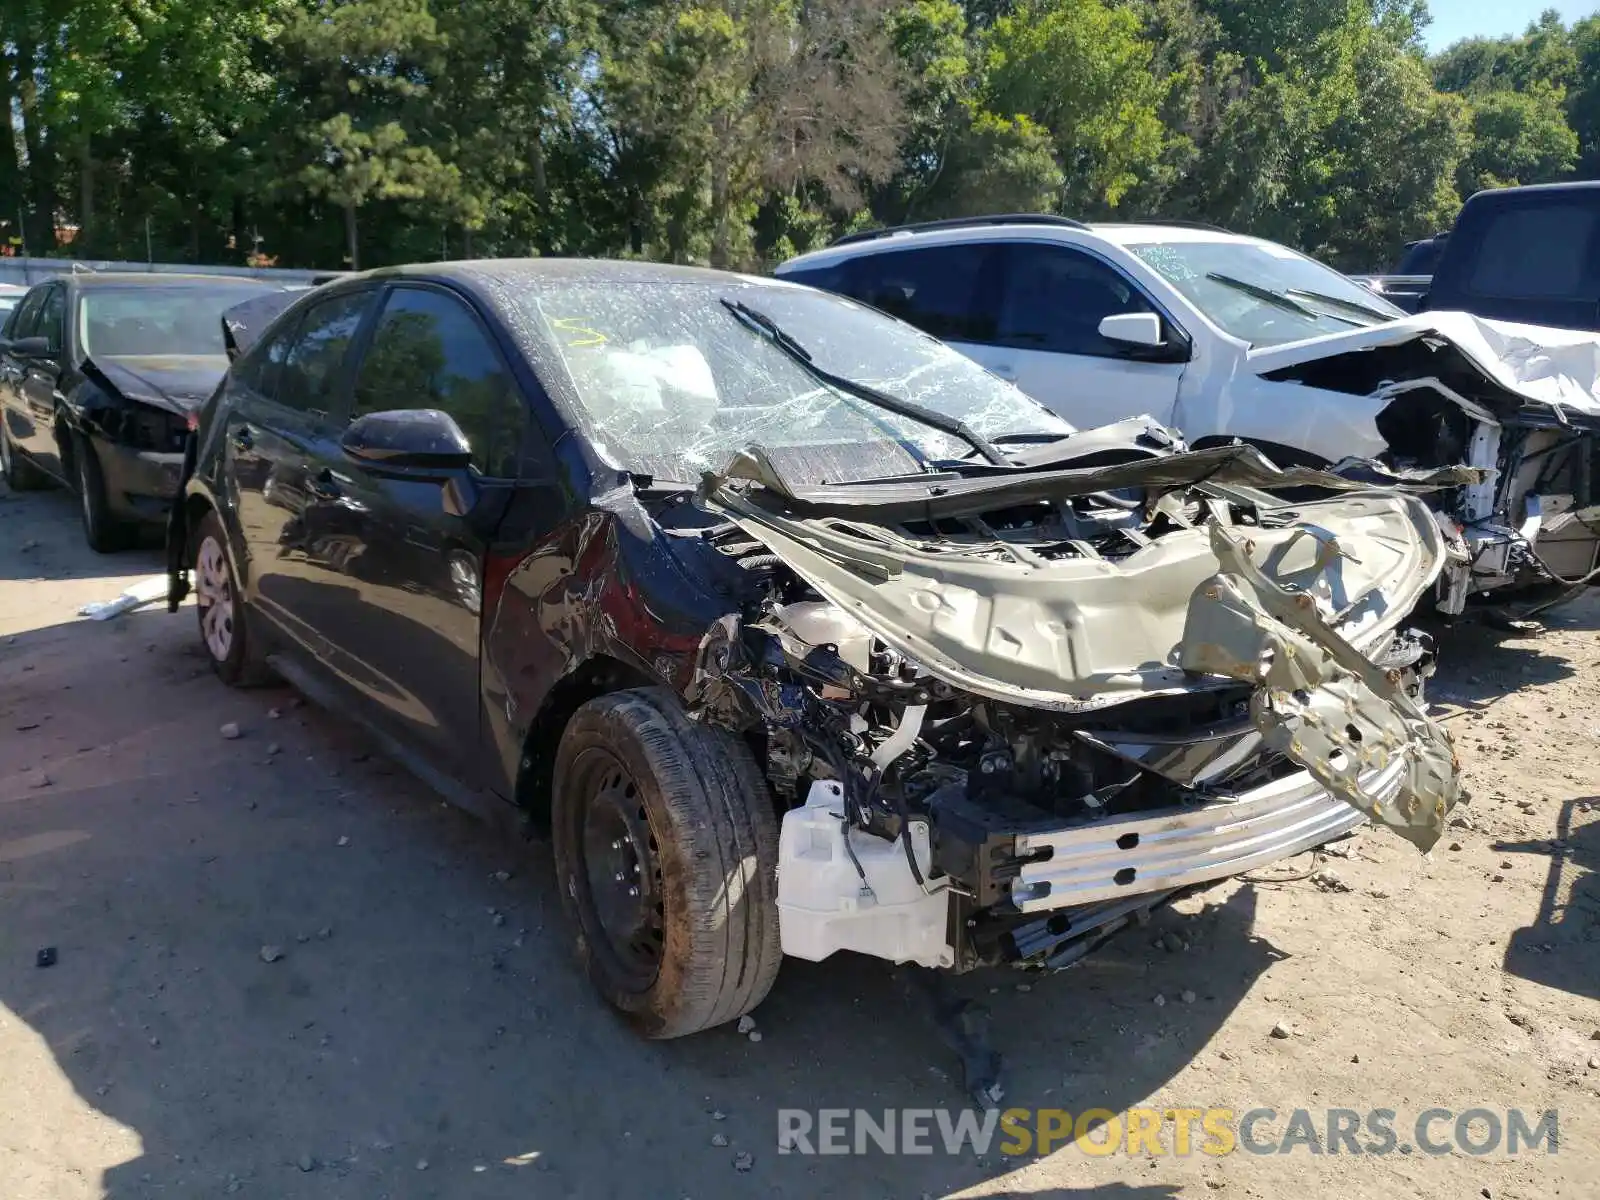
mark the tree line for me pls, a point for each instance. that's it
(328, 133)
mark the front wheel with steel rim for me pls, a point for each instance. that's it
(224, 623)
(666, 847)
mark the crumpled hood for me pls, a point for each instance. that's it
(1080, 634)
(1558, 367)
(1292, 606)
(178, 383)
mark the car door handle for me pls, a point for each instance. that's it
(1006, 372)
(243, 437)
(324, 485)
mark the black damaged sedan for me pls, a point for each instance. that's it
(99, 376)
(800, 631)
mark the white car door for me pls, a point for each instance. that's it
(1030, 312)
(1050, 302)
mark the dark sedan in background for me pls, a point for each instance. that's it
(99, 376)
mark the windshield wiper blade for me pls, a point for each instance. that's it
(763, 325)
(1019, 439)
(1341, 302)
(1281, 299)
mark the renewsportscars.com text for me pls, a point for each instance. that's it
(1162, 1132)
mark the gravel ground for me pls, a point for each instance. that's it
(421, 1031)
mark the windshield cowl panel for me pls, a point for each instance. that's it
(665, 381)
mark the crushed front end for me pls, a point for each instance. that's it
(1518, 404)
(1005, 714)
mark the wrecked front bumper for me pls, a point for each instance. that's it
(1355, 726)
(1031, 895)
(1181, 847)
(140, 484)
(1320, 701)
(1251, 645)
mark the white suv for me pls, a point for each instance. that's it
(1224, 337)
(1102, 322)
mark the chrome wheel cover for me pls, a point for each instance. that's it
(214, 595)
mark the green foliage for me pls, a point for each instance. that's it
(1517, 137)
(738, 132)
(997, 164)
(1389, 148)
(935, 52)
(1270, 36)
(1583, 97)
(1528, 102)
(1081, 70)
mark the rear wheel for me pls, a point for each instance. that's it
(104, 533)
(224, 624)
(666, 847)
(21, 475)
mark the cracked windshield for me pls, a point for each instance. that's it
(1264, 293)
(668, 382)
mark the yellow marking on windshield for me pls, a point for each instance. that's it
(585, 336)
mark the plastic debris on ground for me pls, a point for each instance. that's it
(146, 591)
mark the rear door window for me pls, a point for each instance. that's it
(309, 375)
(429, 350)
(943, 290)
(1538, 252)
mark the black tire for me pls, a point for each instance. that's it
(703, 807)
(104, 533)
(243, 664)
(21, 473)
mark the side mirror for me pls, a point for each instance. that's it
(1133, 329)
(408, 441)
(30, 347)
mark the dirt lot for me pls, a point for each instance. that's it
(425, 1034)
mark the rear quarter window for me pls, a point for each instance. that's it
(260, 367)
(27, 312)
(829, 279)
(1537, 252)
(946, 291)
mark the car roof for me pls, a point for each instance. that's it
(1138, 234)
(491, 272)
(94, 279)
(1512, 194)
(494, 283)
(985, 229)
